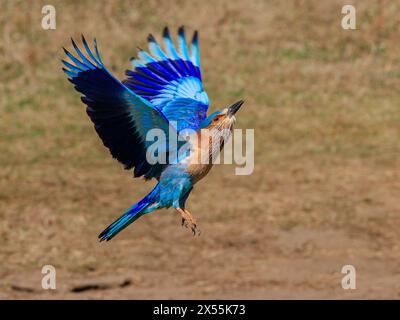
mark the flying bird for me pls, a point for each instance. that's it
(163, 91)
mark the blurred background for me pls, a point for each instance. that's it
(324, 103)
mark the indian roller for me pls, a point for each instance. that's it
(163, 90)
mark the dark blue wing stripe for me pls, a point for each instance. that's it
(161, 69)
(157, 69)
(137, 79)
(149, 91)
(155, 65)
(174, 72)
(147, 74)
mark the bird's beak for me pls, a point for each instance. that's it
(234, 108)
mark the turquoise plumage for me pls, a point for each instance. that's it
(164, 90)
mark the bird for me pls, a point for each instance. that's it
(163, 90)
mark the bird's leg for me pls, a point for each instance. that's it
(188, 220)
(192, 222)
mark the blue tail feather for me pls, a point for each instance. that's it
(131, 215)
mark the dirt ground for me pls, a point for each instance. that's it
(324, 103)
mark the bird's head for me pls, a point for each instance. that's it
(223, 118)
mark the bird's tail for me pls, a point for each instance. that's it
(131, 215)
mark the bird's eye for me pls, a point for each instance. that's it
(216, 118)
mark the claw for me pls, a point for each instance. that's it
(188, 221)
(195, 230)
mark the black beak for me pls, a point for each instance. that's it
(235, 107)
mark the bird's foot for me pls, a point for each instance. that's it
(189, 221)
(192, 226)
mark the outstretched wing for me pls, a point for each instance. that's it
(121, 117)
(171, 80)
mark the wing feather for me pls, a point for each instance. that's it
(121, 117)
(171, 80)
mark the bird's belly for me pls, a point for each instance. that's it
(199, 164)
(198, 171)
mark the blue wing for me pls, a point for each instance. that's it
(121, 117)
(171, 80)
